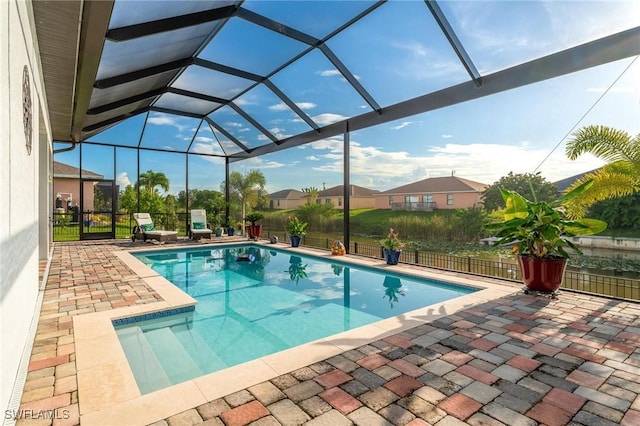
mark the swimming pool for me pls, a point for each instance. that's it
(254, 300)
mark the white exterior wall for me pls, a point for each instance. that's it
(21, 184)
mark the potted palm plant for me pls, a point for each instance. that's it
(541, 232)
(254, 230)
(296, 229)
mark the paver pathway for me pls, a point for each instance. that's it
(518, 360)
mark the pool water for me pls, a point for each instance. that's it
(254, 301)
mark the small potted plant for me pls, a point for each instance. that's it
(392, 247)
(296, 229)
(338, 249)
(254, 230)
(541, 232)
(231, 230)
(215, 225)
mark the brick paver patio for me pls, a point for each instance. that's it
(517, 360)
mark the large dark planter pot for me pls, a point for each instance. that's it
(542, 274)
(254, 231)
(231, 231)
(392, 256)
(295, 240)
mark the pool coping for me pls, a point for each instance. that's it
(107, 389)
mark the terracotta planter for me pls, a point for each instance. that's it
(254, 231)
(542, 274)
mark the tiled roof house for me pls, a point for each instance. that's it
(361, 197)
(66, 186)
(62, 170)
(449, 192)
(287, 199)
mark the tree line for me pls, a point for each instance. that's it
(613, 197)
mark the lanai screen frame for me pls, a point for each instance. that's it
(608, 49)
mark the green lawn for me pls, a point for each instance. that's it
(72, 232)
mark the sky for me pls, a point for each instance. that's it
(395, 53)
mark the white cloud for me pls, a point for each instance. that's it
(123, 180)
(402, 125)
(447, 136)
(312, 158)
(204, 139)
(167, 120)
(233, 124)
(271, 165)
(330, 73)
(328, 118)
(279, 133)
(161, 120)
(305, 105)
(485, 163)
(205, 147)
(279, 107)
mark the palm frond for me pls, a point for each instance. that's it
(604, 142)
(608, 183)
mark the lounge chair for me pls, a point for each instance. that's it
(198, 227)
(145, 230)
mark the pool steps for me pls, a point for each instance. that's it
(143, 361)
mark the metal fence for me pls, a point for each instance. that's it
(66, 226)
(507, 269)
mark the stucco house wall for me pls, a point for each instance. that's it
(287, 199)
(355, 202)
(66, 186)
(461, 200)
(24, 188)
(284, 203)
(360, 198)
(446, 192)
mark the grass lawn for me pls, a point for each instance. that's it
(72, 232)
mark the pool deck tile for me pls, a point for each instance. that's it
(570, 360)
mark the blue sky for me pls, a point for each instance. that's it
(396, 53)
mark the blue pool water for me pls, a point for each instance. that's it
(254, 301)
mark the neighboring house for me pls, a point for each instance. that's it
(359, 197)
(566, 182)
(449, 192)
(66, 187)
(287, 199)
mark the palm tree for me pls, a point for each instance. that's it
(150, 179)
(312, 194)
(248, 188)
(618, 178)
